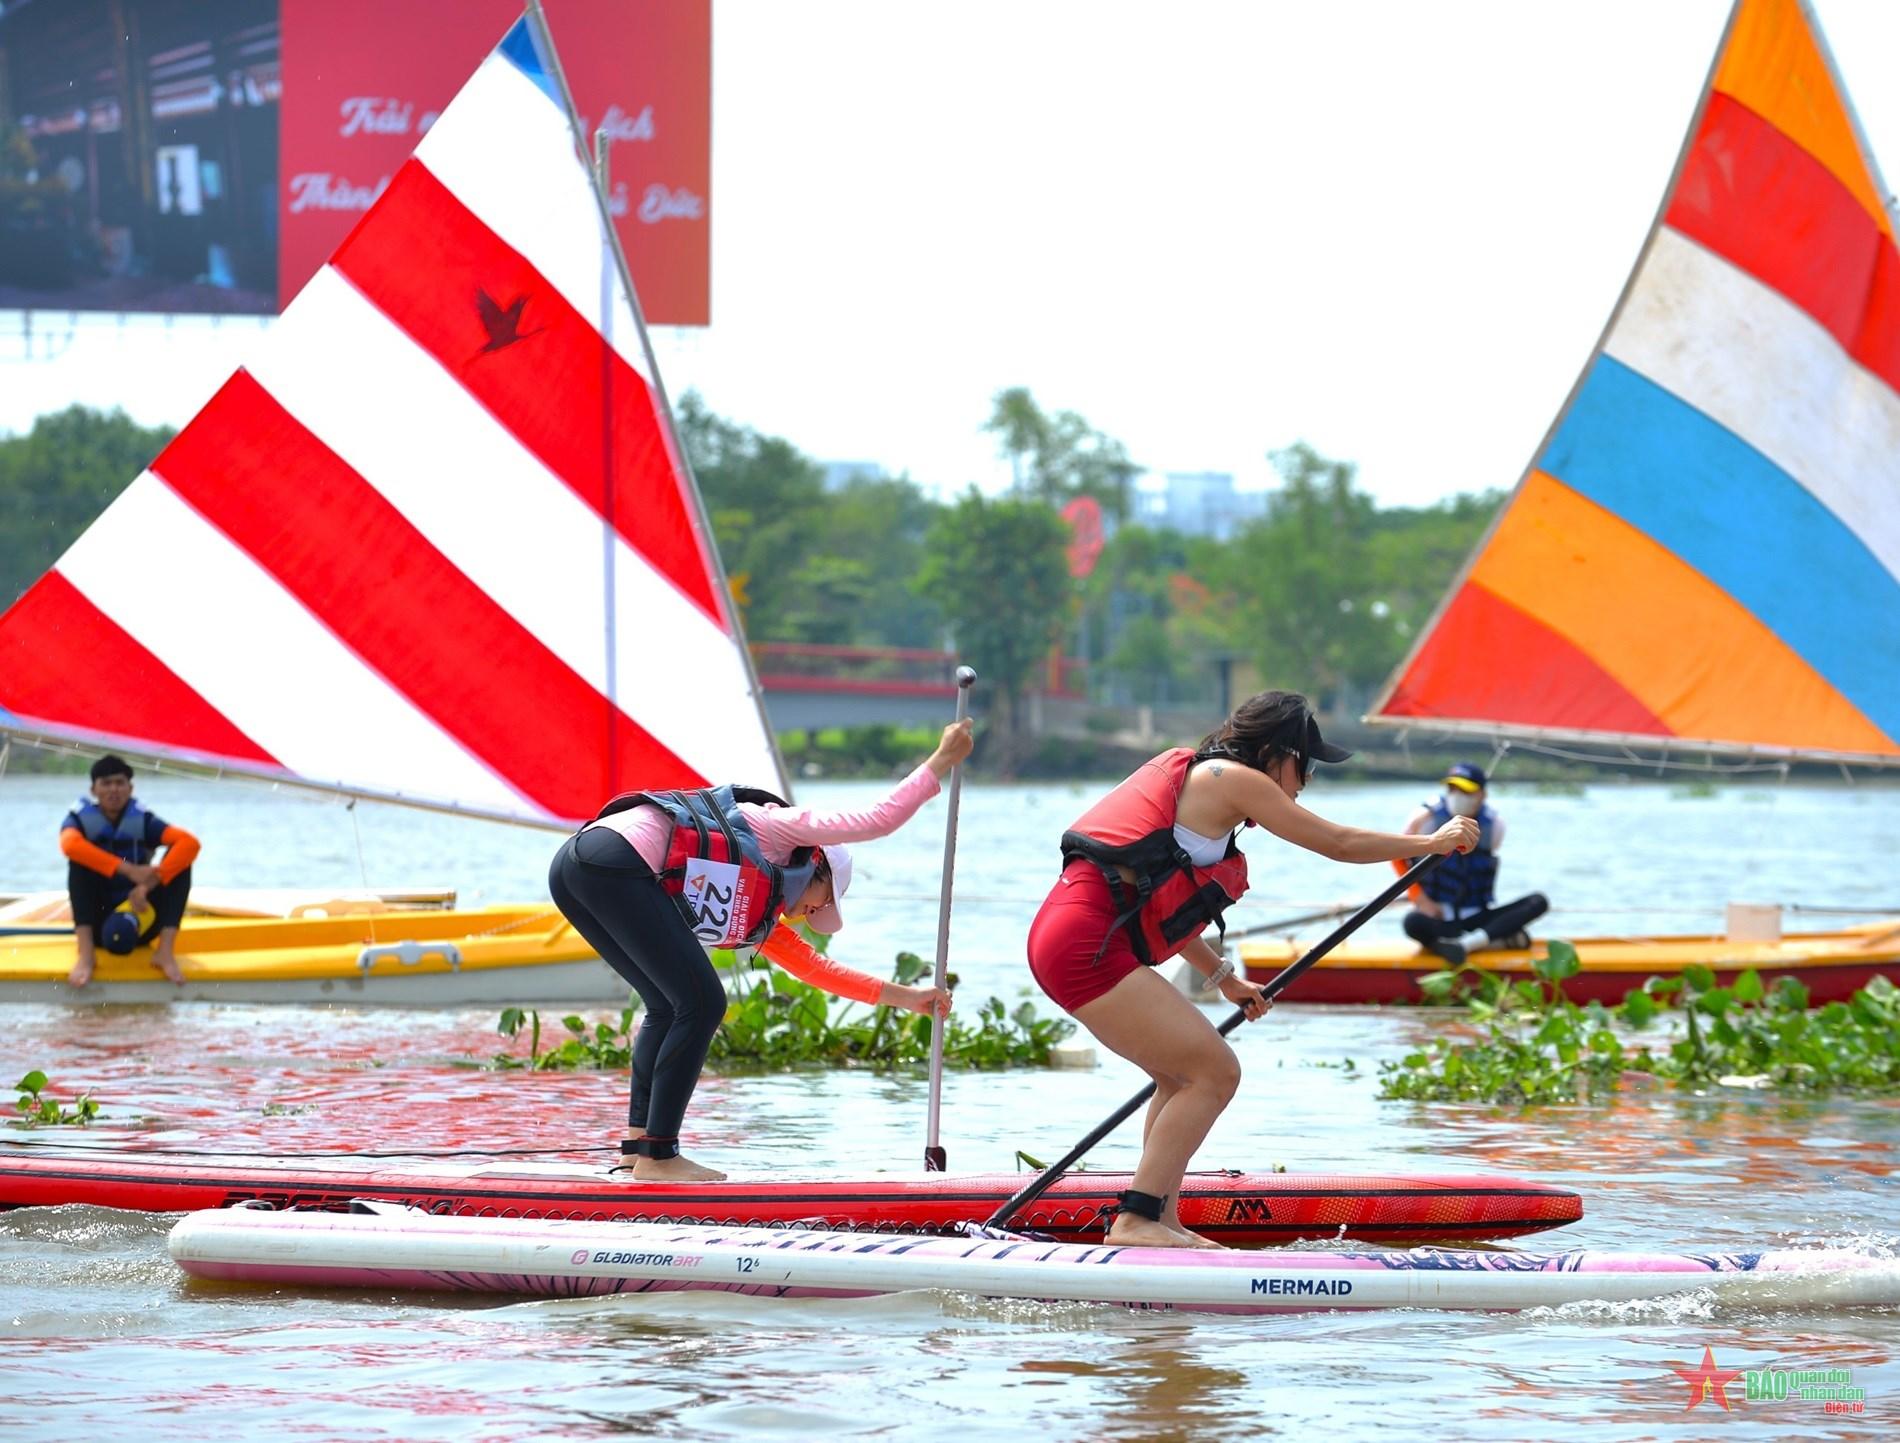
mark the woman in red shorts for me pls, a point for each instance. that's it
(1145, 871)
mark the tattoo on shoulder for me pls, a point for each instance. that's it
(1216, 767)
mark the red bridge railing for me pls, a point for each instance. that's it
(882, 670)
(879, 670)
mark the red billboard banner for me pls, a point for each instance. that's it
(206, 156)
(1086, 535)
(364, 79)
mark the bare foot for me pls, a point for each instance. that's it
(1129, 1231)
(1171, 1219)
(168, 964)
(1194, 1239)
(674, 1169)
(81, 973)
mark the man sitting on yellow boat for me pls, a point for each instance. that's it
(119, 896)
(1459, 895)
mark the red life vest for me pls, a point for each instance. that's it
(1172, 901)
(729, 892)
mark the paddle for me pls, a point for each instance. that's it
(1000, 1218)
(934, 1159)
(1287, 924)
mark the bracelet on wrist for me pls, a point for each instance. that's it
(1221, 973)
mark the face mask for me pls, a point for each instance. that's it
(1462, 804)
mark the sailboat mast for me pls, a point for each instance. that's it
(669, 428)
(603, 172)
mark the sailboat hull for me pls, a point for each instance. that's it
(1831, 965)
(520, 954)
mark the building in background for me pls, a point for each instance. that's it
(1197, 503)
(840, 474)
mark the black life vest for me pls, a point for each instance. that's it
(125, 839)
(715, 870)
(1465, 880)
(1172, 900)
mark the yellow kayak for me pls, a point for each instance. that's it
(501, 954)
(52, 911)
(1831, 965)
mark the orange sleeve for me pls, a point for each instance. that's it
(808, 964)
(1402, 865)
(181, 851)
(73, 843)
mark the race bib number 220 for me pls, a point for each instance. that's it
(712, 898)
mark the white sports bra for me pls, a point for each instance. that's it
(1201, 851)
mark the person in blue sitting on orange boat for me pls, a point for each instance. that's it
(1460, 894)
(124, 894)
(659, 877)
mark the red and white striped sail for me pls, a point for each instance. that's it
(435, 542)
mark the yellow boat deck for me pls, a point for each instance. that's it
(506, 953)
(1831, 964)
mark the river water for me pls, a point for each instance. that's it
(101, 1336)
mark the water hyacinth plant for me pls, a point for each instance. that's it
(778, 1021)
(38, 1111)
(1534, 1045)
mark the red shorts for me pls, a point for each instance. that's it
(1067, 935)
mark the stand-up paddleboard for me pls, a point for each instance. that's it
(405, 1249)
(1243, 1209)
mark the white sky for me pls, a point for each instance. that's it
(1392, 229)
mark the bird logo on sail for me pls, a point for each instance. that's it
(503, 323)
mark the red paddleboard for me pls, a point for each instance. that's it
(1241, 1209)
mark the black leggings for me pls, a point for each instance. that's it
(94, 897)
(605, 888)
(1495, 922)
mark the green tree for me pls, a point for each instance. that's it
(57, 478)
(764, 498)
(999, 572)
(1326, 590)
(881, 522)
(1021, 428)
(1127, 606)
(1301, 583)
(1145, 658)
(1055, 458)
(1415, 552)
(813, 565)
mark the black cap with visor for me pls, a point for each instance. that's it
(1313, 748)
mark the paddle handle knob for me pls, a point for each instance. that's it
(966, 677)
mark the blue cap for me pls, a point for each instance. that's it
(1466, 777)
(119, 933)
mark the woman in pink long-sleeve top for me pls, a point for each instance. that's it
(660, 876)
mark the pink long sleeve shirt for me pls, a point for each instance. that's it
(781, 831)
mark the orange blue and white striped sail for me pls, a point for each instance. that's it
(1707, 549)
(434, 541)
